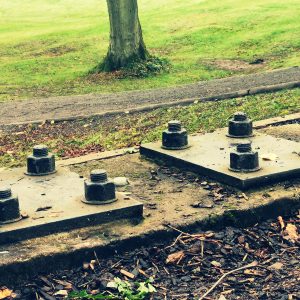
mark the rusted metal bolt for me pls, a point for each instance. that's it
(175, 137)
(9, 206)
(240, 126)
(244, 159)
(99, 189)
(41, 162)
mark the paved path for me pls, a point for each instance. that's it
(56, 108)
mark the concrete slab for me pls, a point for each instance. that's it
(168, 198)
(209, 156)
(53, 204)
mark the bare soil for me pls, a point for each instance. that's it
(288, 131)
(233, 65)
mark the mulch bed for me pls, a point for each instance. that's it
(267, 253)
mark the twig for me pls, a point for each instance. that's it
(156, 267)
(202, 248)
(175, 241)
(98, 262)
(253, 264)
(116, 264)
(184, 233)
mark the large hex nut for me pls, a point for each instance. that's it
(41, 162)
(9, 207)
(99, 189)
(244, 159)
(175, 137)
(240, 126)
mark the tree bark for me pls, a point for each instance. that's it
(126, 39)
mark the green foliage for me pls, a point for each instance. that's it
(124, 291)
(142, 69)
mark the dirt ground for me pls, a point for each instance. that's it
(259, 262)
(288, 131)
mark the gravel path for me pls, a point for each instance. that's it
(55, 108)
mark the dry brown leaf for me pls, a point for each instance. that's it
(175, 258)
(290, 233)
(61, 293)
(5, 293)
(254, 272)
(276, 266)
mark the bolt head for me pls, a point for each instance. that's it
(240, 126)
(244, 161)
(99, 192)
(39, 166)
(175, 140)
(9, 210)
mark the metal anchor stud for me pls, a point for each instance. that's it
(99, 189)
(41, 162)
(175, 137)
(240, 126)
(9, 206)
(244, 159)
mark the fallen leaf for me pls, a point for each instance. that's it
(269, 157)
(254, 273)
(276, 266)
(175, 258)
(290, 233)
(216, 264)
(5, 292)
(61, 293)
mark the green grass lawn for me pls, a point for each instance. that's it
(48, 46)
(71, 139)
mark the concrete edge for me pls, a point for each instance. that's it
(276, 121)
(92, 157)
(183, 102)
(240, 218)
(120, 152)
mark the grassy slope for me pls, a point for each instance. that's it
(47, 46)
(71, 139)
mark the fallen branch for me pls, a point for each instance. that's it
(252, 265)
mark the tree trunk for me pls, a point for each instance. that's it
(126, 39)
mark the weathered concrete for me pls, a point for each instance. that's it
(167, 200)
(54, 204)
(209, 156)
